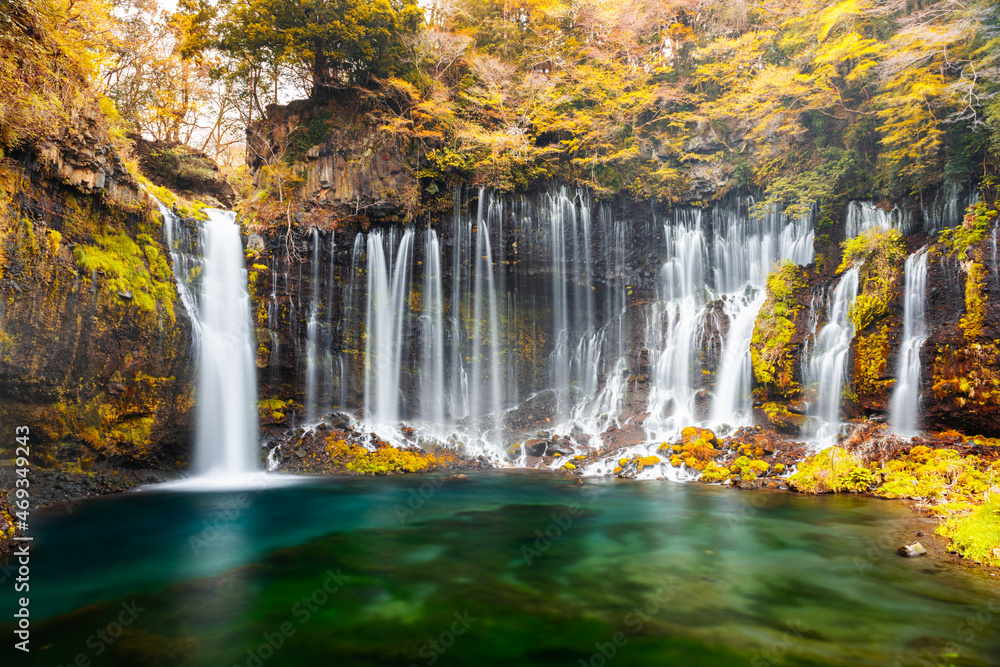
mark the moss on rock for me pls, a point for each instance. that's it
(881, 253)
(772, 355)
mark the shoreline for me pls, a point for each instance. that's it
(67, 490)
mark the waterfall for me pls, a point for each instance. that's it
(947, 209)
(183, 263)
(905, 406)
(828, 357)
(461, 277)
(272, 319)
(745, 249)
(432, 333)
(674, 324)
(601, 350)
(226, 438)
(732, 403)
(572, 289)
(549, 296)
(312, 333)
(865, 215)
(388, 294)
(485, 293)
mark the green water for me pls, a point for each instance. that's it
(368, 572)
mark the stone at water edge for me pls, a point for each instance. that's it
(535, 447)
(912, 550)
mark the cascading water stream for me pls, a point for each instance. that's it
(312, 334)
(732, 404)
(388, 292)
(745, 249)
(947, 209)
(432, 320)
(460, 286)
(529, 297)
(828, 356)
(905, 406)
(183, 263)
(863, 216)
(674, 324)
(485, 293)
(226, 438)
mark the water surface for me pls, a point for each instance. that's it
(508, 568)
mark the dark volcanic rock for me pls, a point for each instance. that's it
(184, 170)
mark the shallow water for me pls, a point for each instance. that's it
(420, 571)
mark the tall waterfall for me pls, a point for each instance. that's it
(828, 357)
(728, 265)
(432, 334)
(746, 249)
(674, 324)
(905, 407)
(388, 296)
(732, 404)
(485, 395)
(312, 334)
(226, 436)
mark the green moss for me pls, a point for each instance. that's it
(979, 219)
(130, 268)
(715, 473)
(770, 351)
(305, 137)
(779, 416)
(931, 474)
(870, 354)
(826, 471)
(948, 485)
(748, 469)
(272, 408)
(975, 301)
(881, 252)
(976, 533)
(165, 196)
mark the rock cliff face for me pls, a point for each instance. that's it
(308, 273)
(961, 356)
(338, 160)
(185, 171)
(94, 344)
(82, 156)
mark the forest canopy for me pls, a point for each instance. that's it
(799, 99)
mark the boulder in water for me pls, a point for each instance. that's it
(912, 550)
